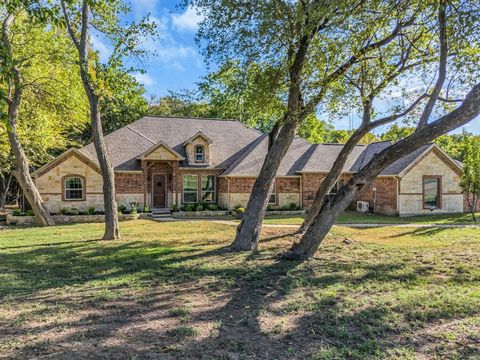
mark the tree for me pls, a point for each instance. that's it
(424, 133)
(312, 44)
(79, 17)
(471, 173)
(11, 92)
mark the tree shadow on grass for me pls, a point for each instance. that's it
(205, 303)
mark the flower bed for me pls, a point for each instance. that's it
(69, 219)
(200, 214)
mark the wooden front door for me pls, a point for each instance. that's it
(159, 190)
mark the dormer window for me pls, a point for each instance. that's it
(199, 154)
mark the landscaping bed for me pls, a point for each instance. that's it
(70, 219)
(199, 214)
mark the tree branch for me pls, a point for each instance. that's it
(442, 69)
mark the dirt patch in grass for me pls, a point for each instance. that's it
(170, 291)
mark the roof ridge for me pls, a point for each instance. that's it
(139, 134)
(199, 118)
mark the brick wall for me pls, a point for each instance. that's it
(387, 197)
(310, 183)
(129, 183)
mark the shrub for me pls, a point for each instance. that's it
(146, 209)
(270, 207)
(122, 209)
(199, 207)
(175, 208)
(237, 207)
(63, 211)
(134, 211)
(240, 210)
(17, 212)
(293, 206)
(91, 210)
(73, 212)
(212, 207)
(190, 207)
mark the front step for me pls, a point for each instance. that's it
(161, 213)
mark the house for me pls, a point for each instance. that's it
(167, 161)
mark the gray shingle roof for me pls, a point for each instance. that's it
(238, 149)
(229, 137)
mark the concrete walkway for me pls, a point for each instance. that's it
(359, 226)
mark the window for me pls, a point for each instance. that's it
(190, 188)
(74, 188)
(273, 195)
(199, 153)
(208, 188)
(431, 192)
(336, 187)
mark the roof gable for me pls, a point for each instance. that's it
(197, 135)
(63, 157)
(160, 151)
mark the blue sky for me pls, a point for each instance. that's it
(178, 63)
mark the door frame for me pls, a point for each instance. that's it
(166, 188)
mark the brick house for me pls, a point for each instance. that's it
(163, 161)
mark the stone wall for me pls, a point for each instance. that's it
(50, 185)
(411, 187)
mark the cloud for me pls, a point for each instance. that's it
(144, 7)
(103, 50)
(187, 21)
(144, 79)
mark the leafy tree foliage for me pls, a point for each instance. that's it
(471, 172)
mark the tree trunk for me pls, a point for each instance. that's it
(308, 245)
(112, 229)
(22, 174)
(248, 232)
(332, 177)
(5, 187)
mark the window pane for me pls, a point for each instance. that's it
(190, 197)
(73, 188)
(190, 182)
(273, 195)
(199, 153)
(430, 192)
(208, 196)
(208, 182)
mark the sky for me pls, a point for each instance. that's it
(177, 63)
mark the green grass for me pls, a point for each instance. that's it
(168, 290)
(352, 217)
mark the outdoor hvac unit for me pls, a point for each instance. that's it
(363, 206)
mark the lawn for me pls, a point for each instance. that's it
(168, 291)
(353, 217)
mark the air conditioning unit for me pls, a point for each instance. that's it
(363, 206)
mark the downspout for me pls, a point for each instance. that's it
(398, 195)
(301, 193)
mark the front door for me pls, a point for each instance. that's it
(159, 190)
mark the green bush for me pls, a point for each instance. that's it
(91, 210)
(212, 207)
(237, 207)
(122, 209)
(270, 208)
(293, 206)
(63, 211)
(17, 212)
(73, 212)
(199, 207)
(134, 210)
(175, 208)
(190, 207)
(146, 209)
(240, 210)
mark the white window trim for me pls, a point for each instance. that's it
(65, 189)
